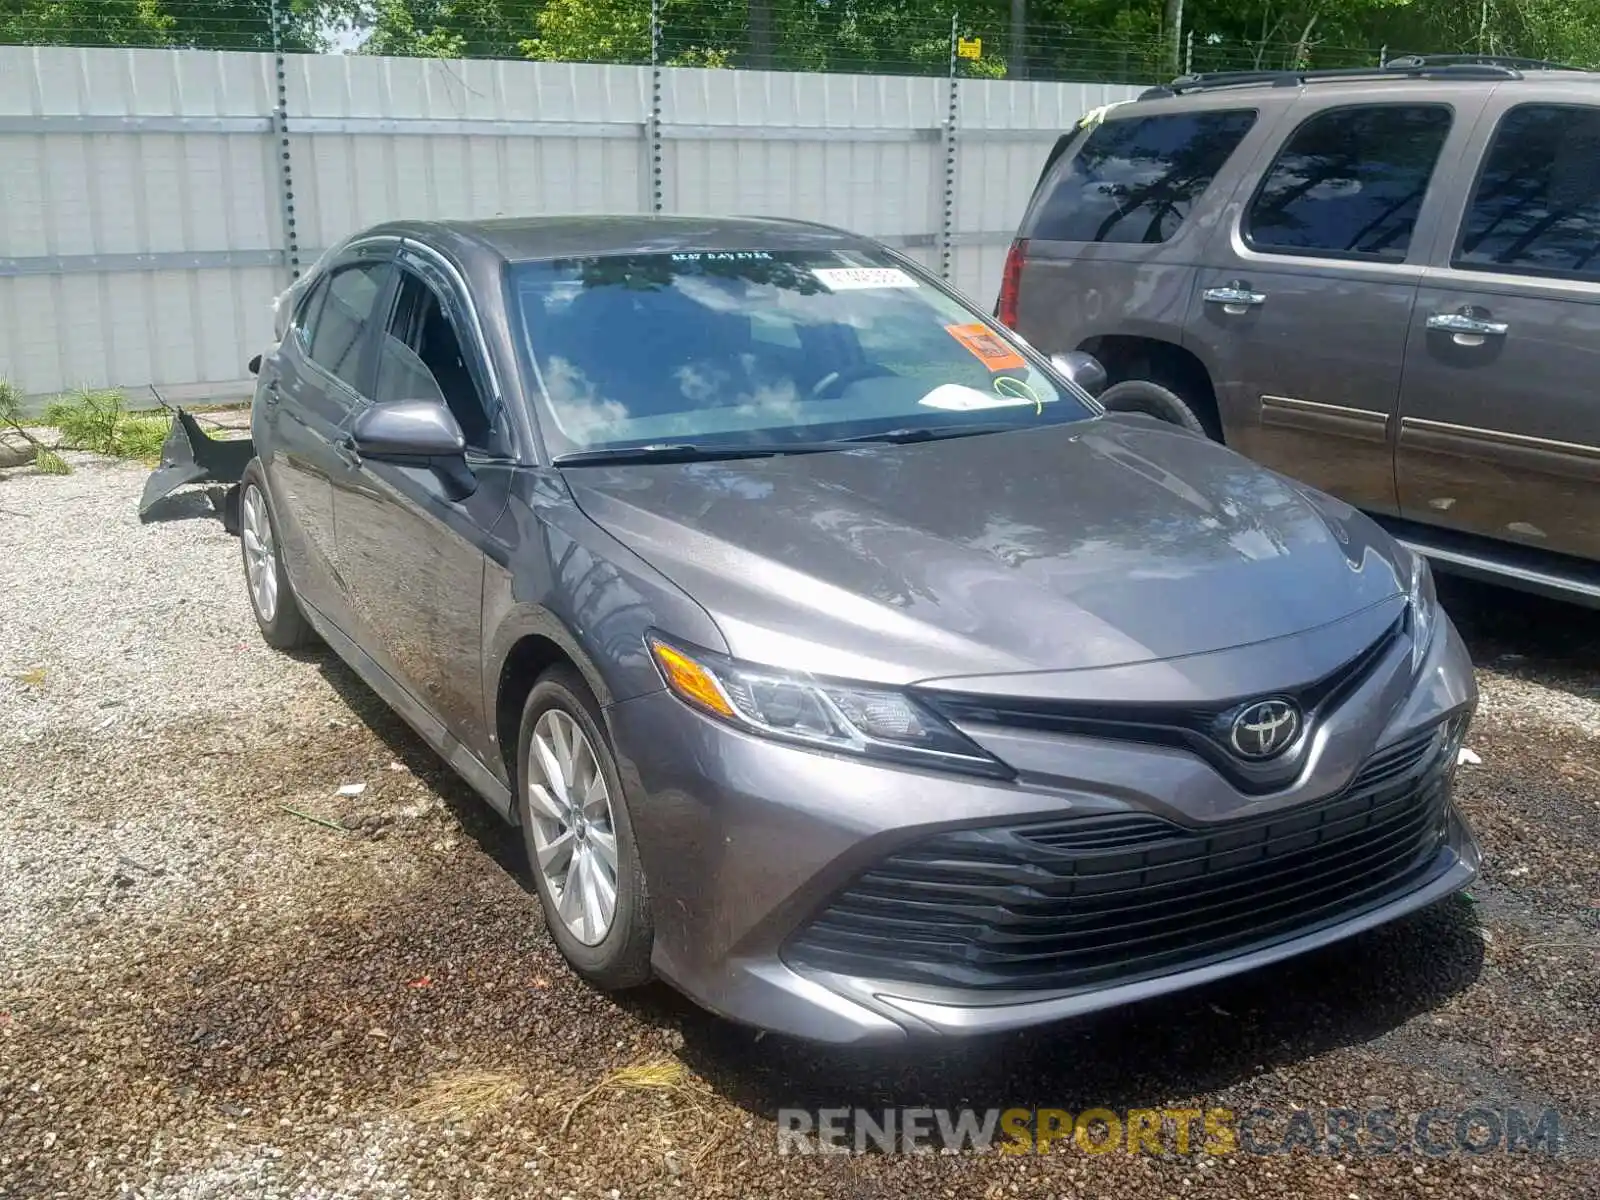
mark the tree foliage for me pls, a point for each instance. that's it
(196, 24)
(1089, 39)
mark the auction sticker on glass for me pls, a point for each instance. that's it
(846, 279)
(986, 347)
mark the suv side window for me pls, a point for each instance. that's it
(352, 292)
(1349, 182)
(1536, 208)
(422, 359)
(1134, 179)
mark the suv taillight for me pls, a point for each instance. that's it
(1011, 284)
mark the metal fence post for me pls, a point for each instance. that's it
(948, 215)
(656, 180)
(280, 123)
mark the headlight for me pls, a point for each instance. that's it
(828, 714)
(1424, 604)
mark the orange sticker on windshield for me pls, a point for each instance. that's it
(984, 345)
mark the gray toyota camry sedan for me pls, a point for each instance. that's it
(842, 662)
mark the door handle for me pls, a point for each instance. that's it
(270, 393)
(1235, 298)
(1467, 322)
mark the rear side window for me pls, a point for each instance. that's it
(1537, 205)
(1349, 182)
(336, 332)
(1134, 180)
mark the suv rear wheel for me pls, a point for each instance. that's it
(1141, 395)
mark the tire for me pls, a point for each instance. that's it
(1140, 395)
(272, 598)
(611, 955)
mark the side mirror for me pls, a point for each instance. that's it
(408, 429)
(255, 365)
(1085, 370)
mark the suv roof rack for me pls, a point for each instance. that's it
(1409, 66)
(1405, 61)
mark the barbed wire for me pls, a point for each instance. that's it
(700, 33)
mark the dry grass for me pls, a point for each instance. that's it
(463, 1095)
(684, 1110)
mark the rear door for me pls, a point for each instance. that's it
(1500, 415)
(411, 536)
(1302, 306)
(319, 373)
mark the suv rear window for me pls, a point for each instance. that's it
(1537, 205)
(1133, 180)
(1349, 182)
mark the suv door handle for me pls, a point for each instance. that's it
(1465, 322)
(1235, 297)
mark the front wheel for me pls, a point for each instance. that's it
(272, 600)
(578, 835)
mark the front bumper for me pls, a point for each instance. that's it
(745, 842)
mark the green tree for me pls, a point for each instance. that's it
(443, 28)
(192, 24)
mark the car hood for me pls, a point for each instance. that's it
(1107, 542)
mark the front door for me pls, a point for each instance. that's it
(1304, 300)
(411, 536)
(1500, 411)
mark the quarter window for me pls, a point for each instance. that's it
(336, 331)
(1536, 208)
(1135, 179)
(1349, 182)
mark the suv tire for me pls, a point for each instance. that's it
(1140, 395)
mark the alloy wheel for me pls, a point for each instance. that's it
(260, 559)
(574, 833)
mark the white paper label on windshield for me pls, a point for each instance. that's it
(957, 397)
(847, 279)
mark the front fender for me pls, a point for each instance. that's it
(553, 574)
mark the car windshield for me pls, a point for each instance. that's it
(759, 348)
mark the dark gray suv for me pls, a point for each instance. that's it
(841, 660)
(1384, 283)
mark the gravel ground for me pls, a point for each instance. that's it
(203, 995)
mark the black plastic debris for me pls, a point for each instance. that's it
(189, 456)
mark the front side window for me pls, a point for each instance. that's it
(751, 348)
(338, 320)
(1135, 179)
(422, 359)
(1536, 208)
(1349, 182)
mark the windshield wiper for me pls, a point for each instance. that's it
(671, 452)
(924, 433)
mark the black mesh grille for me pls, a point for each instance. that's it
(1083, 902)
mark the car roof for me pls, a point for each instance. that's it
(526, 239)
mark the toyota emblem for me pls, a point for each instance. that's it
(1264, 729)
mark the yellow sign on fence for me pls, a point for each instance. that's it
(969, 47)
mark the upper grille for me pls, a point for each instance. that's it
(1201, 729)
(1081, 902)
